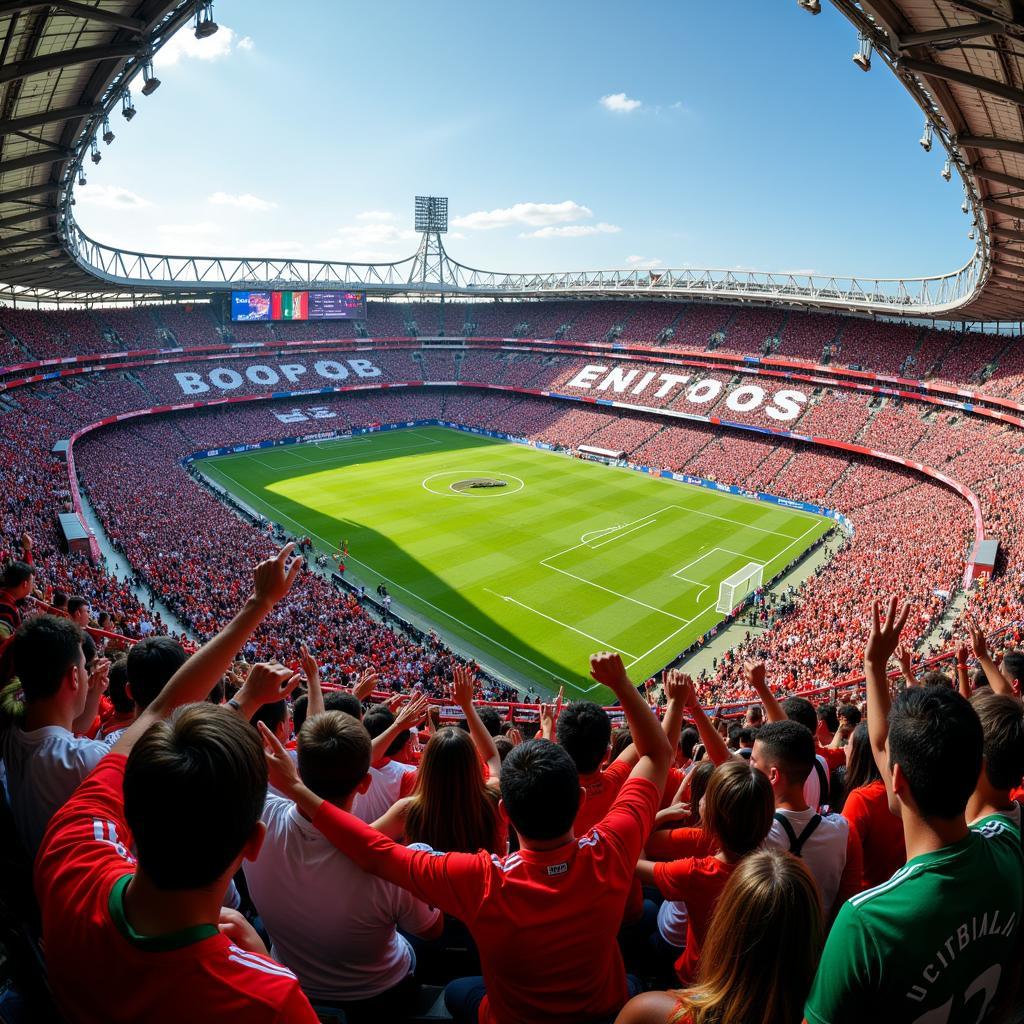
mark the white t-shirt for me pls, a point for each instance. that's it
(330, 922)
(824, 852)
(813, 793)
(384, 790)
(44, 767)
(672, 919)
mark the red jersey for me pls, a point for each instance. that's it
(698, 882)
(879, 830)
(601, 789)
(672, 784)
(835, 757)
(545, 923)
(101, 971)
(673, 843)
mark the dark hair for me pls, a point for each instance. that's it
(273, 714)
(745, 737)
(44, 648)
(862, 768)
(1013, 663)
(827, 714)
(585, 730)
(491, 720)
(75, 603)
(800, 709)
(333, 754)
(851, 713)
(116, 691)
(151, 663)
(936, 678)
(688, 739)
(504, 746)
(540, 787)
(789, 746)
(733, 739)
(1002, 725)
(348, 703)
(935, 737)
(88, 648)
(621, 739)
(60, 599)
(15, 574)
(699, 778)
(378, 720)
(738, 807)
(194, 788)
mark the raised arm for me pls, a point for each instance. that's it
(673, 683)
(882, 641)
(311, 670)
(963, 675)
(98, 678)
(411, 714)
(463, 684)
(651, 743)
(754, 675)
(718, 751)
(996, 679)
(197, 677)
(905, 660)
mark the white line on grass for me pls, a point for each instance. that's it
(558, 622)
(304, 531)
(619, 536)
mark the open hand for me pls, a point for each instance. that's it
(273, 577)
(310, 668)
(412, 713)
(463, 686)
(284, 775)
(607, 668)
(366, 684)
(267, 682)
(885, 632)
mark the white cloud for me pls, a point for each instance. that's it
(288, 249)
(370, 242)
(377, 216)
(643, 262)
(184, 45)
(531, 214)
(620, 103)
(198, 231)
(110, 197)
(573, 231)
(244, 201)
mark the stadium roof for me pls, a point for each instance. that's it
(65, 66)
(963, 61)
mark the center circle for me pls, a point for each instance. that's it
(473, 483)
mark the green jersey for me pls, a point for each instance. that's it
(930, 945)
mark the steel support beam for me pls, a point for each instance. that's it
(981, 171)
(20, 218)
(18, 195)
(979, 82)
(27, 236)
(50, 156)
(20, 124)
(67, 58)
(78, 10)
(952, 33)
(988, 142)
(1011, 233)
(1004, 208)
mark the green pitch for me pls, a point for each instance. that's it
(533, 559)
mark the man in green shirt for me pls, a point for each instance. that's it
(938, 942)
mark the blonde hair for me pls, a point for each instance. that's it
(761, 951)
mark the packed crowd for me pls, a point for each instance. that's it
(204, 838)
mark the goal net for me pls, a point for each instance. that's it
(735, 588)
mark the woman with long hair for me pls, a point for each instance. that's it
(453, 807)
(867, 810)
(759, 956)
(736, 818)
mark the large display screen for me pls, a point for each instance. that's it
(298, 305)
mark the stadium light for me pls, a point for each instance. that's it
(926, 137)
(94, 152)
(108, 135)
(970, 234)
(152, 83)
(862, 58)
(964, 207)
(947, 169)
(432, 214)
(205, 25)
(81, 176)
(127, 107)
(810, 6)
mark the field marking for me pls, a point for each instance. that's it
(794, 541)
(449, 493)
(605, 645)
(615, 593)
(305, 532)
(621, 534)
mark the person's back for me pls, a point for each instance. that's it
(934, 942)
(331, 922)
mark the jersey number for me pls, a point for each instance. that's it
(987, 982)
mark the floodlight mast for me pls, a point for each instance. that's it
(431, 220)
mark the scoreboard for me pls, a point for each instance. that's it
(305, 305)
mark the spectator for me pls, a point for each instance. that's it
(331, 923)
(891, 951)
(760, 954)
(1002, 727)
(78, 611)
(559, 961)
(15, 585)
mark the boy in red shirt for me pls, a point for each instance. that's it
(544, 919)
(147, 940)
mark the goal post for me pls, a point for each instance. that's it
(733, 589)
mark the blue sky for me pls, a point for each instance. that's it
(569, 135)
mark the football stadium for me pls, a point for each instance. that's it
(560, 646)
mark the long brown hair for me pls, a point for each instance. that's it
(452, 808)
(738, 807)
(761, 951)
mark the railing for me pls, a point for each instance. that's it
(931, 297)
